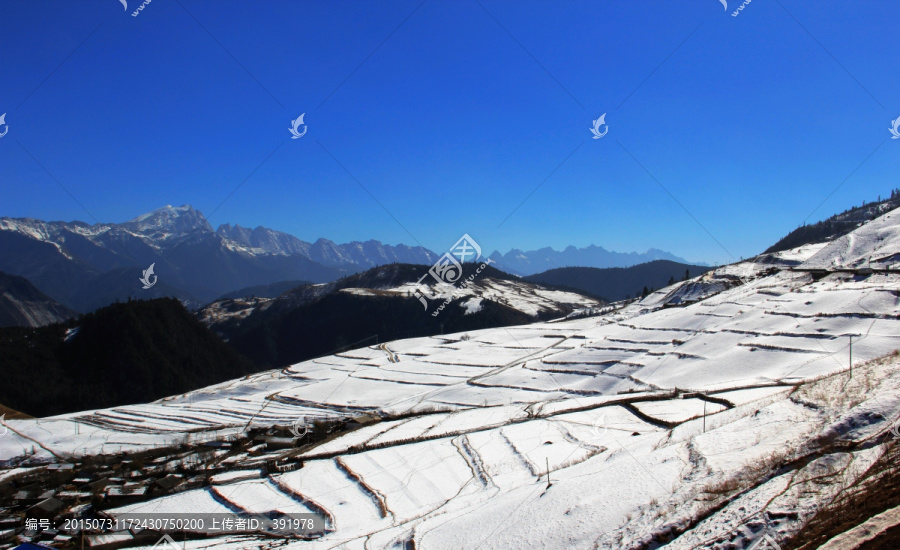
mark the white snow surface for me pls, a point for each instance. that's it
(613, 405)
(875, 244)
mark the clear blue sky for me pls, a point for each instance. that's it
(450, 113)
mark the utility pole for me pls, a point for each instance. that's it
(851, 357)
(704, 416)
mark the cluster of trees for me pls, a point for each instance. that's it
(305, 322)
(648, 291)
(340, 320)
(125, 353)
(618, 283)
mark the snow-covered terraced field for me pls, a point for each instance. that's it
(644, 418)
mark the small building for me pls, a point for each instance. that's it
(80, 510)
(49, 534)
(62, 540)
(279, 443)
(165, 485)
(8, 522)
(46, 509)
(74, 495)
(130, 492)
(99, 485)
(26, 497)
(363, 420)
(110, 540)
(283, 464)
(815, 273)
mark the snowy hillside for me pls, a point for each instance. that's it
(389, 296)
(875, 245)
(710, 414)
(529, 298)
(23, 305)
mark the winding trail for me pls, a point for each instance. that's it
(392, 357)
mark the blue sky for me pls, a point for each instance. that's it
(427, 120)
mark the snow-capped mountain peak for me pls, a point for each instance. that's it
(168, 221)
(267, 241)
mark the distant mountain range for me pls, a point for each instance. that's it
(85, 266)
(353, 256)
(536, 261)
(88, 266)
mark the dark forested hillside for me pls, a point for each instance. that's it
(130, 352)
(314, 320)
(617, 283)
(342, 320)
(272, 290)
